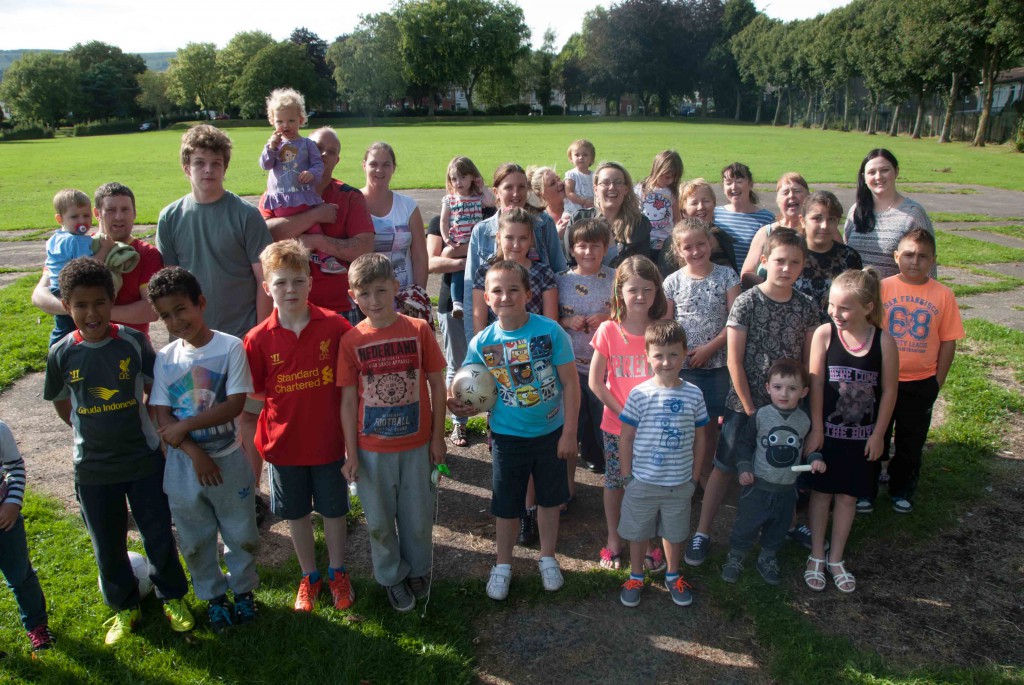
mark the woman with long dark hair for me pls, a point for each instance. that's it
(881, 216)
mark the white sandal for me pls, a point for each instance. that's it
(842, 579)
(815, 578)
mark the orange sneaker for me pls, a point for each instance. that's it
(342, 591)
(305, 598)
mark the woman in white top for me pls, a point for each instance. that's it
(397, 222)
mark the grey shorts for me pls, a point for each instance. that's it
(649, 510)
(295, 491)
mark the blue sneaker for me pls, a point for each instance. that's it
(219, 612)
(697, 552)
(679, 591)
(631, 592)
(245, 608)
(864, 505)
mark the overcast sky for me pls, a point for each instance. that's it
(147, 26)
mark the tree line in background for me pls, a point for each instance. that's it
(837, 70)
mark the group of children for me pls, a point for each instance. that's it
(618, 366)
(653, 391)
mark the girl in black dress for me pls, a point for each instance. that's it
(854, 374)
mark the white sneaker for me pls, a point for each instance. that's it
(499, 582)
(550, 574)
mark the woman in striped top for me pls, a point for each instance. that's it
(741, 217)
(882, 216)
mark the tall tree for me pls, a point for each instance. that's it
(232, 60)
(655, 64)
(41, 87)
(1002, 40)
(322, 88)
(537, 70)
(194, 77)
(569, 72)
(153, 95)
(491, 37)
(429, 59)
(751, 48)
(368, 73)
(281, 65)
(728, 86)
(109, 80)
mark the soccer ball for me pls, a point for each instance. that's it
(474, 385)
(140, 567)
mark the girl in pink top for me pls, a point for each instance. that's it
(619, 365)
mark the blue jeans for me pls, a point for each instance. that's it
(21, 577)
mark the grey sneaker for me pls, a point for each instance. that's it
(631, 591)
(697, 552)
(679, 591)
(420, 586)
(400, 597)
(768, 567)
(732, 568)
(902, 505)
(864, 505)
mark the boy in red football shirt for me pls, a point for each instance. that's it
(292, 355)
(387, 363)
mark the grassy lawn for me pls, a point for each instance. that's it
(148, 162)
(26, 331)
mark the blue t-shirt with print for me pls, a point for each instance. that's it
(524, 364)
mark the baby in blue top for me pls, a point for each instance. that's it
(74, 214)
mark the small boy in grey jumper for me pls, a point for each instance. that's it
(770, 444)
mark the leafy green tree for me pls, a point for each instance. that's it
(1001, 42)
(570, 76)
(194, 77)
(489, 38)
(322, 89)
(429, 59)
(537, 70)
(239, 51)
(41, 87)
(281, 65)
(153, 95)
(750, 49)
(108, 79)
(367, 71)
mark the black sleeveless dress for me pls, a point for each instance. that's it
(853, 388)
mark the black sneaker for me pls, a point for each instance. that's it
(220, 612)
(528, 528)
(245, 608)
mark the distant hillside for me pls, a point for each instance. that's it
(155, 61)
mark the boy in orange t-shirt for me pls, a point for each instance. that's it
(923, 317)
(394, 429)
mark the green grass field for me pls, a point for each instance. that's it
(32, 171)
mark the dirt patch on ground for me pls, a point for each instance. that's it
(956, 600)
(602, 641)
